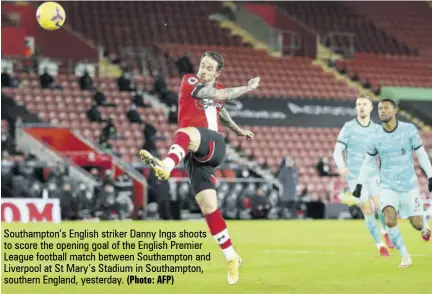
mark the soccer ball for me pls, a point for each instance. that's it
(50, 16)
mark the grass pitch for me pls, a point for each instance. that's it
(279, 257)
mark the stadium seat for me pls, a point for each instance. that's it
(386, 70)
(68, 108)
(176, 27)
(140, 24)
(409, 22)
(328, 17)
(6, 21)
(284, 77)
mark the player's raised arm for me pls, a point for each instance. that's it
(210, 92)
(227, 121)
(417, 145)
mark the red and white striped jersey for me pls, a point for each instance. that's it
(196, 112)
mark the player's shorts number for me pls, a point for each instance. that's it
(417, 203)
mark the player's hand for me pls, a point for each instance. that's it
(343, 172)
(357, 191)
(430, 185)
(246, 133)
(254, 83)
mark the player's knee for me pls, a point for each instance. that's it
(390, 216)
(391, 223)
(207, 201)
(390, 220)
(190, 131)
(194, 136)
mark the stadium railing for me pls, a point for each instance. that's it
(30, 145)
(96, 68)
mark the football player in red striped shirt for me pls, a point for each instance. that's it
(199, 142)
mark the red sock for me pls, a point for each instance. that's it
(179, 148)
(218, 229)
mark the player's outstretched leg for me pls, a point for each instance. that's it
(396, 236)
(184, 140)
(372, 227)
(417, 216)
(208, 203)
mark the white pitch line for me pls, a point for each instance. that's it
(327, 253)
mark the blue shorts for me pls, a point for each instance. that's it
(405, 203)
(371, 188)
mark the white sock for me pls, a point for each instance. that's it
(229, 253)
(223, 237)
(169, 163)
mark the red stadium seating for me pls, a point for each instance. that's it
(410, 22)
(116, 25)
(146, 23)
(326, 17)
(387, 37)
(6, 21)
(390, 70)
(280, 77)
(68, 107)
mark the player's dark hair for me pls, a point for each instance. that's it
(216, 57)
(390, 101)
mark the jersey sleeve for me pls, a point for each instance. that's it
(344, 135)
(415, 139)
(188, 84)
(371, 146)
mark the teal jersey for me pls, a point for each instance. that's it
(395, 150)
(355, 137)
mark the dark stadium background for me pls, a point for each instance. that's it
(313, 58)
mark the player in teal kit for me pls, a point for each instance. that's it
(394, 143)
(352, 139)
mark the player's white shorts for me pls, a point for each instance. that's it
(368, 190)
(406, 203)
